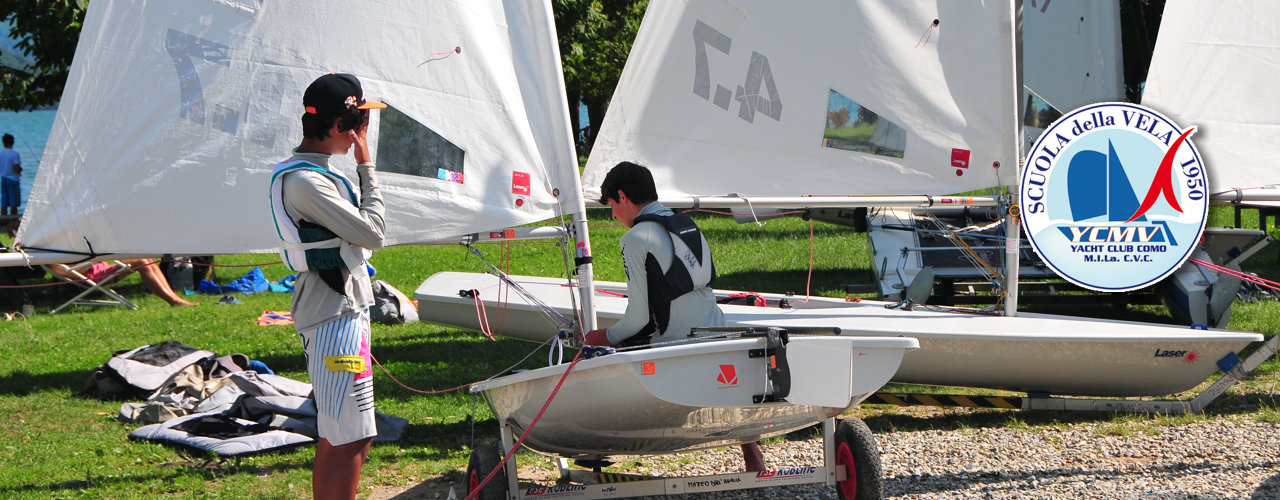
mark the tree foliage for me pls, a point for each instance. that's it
(595, 39)
(46, 31)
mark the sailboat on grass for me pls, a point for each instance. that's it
(729, 104)
(476, 139)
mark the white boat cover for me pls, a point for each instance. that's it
(175, 111)
(747, 97)
(1215, 67)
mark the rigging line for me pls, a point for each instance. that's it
(43, 285)
(564, 244)
(924, 39)
(482, 315)
(419, 391)
(736, 214)
(510, 453)
(808, 284)
(1257, 280)
(504, 293)
(442, 391)
(958, 240)
(557, 319)
(750, 208)
(440, 55)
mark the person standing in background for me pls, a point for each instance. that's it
(10, 178)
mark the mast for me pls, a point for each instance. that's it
(1013, 228)
(582, 262)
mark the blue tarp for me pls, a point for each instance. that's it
(251, 282)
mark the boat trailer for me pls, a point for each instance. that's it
(1233, 368)
(851, 463)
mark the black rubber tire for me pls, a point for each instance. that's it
(856, 449)
(484, 458)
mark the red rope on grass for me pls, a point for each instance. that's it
(402, 384)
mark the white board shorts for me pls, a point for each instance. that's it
(341, 370)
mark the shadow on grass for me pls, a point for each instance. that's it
(433, 441)
(23, 383)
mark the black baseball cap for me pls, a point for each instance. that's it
(334, 93)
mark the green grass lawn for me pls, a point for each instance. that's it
(54, 444)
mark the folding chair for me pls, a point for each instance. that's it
(77, 275)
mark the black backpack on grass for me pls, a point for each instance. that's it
(136, 373)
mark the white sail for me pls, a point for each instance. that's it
(1072, 52)
(175, 111)
(1214, 67)
(856, 98)
(1071, 56)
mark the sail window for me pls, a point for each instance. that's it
(852, 127)
(1038, 117)
(408, 147)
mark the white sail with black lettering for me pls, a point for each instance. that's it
(175, 111)
(831, 97)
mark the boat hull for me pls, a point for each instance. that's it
(1032, 353)
(691, 396)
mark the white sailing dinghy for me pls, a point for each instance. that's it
(167, 132)
(863, 100)
(697, 394)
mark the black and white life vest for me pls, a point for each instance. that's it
(312, 247)
(691, 268)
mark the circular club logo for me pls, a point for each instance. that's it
(1114, 196)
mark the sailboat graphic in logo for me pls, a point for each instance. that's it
(1088, 218)
(1098, 187)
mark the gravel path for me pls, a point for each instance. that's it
(1224, 457)
(1220, 458)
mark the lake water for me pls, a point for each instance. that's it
(30, 130)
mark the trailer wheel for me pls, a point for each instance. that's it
(485, 458)
(856, 451)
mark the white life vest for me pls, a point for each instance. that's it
(292, 249)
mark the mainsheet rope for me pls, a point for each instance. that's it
(1257, 280)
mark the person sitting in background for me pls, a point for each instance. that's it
(147, 269)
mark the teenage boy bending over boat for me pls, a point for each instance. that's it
(326, 223)
(666, 296)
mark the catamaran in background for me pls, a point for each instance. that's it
(885, 105)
